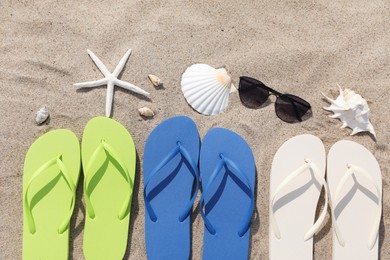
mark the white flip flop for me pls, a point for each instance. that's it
(355, 185)
(297, 178)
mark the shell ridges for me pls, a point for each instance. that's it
(206, 89)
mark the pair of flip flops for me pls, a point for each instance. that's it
(51, 174)
(171, 177)
(353, 185)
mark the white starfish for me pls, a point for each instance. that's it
(111, 80)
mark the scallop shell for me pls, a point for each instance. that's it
(352, 109)
(42, 115)
(206, 89)
(156, 81)
(146, 112)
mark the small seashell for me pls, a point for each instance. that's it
(42, 115)
(146, 112)
(352, 109)
(206, 89)
(156, 81)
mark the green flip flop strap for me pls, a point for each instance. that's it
(28, 210)
(114, 155)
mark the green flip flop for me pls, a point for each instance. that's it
(108, 158)
(50, 177)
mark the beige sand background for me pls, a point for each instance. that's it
(300, 47)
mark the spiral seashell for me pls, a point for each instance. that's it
(156, 81)
(42, 115)
(352, 110)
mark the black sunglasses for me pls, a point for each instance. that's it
(289, 108)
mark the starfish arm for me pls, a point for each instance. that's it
(109, 98)
(91, 84)
(131, 87)
(121, 63)
(99, 63)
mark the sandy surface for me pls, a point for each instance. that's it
(300, 47)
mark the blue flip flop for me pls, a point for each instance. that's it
(170, 172)
(227, 172)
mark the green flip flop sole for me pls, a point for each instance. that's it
(109, 159)
(50, 177)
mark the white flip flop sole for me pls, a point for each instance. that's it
(297, 177)
(355, 185)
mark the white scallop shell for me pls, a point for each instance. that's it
(352, 110)
(146, 112)
(42, 115)
(206, 89)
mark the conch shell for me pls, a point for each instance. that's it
(352, 110)
(42, 115)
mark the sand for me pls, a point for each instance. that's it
(300, 47)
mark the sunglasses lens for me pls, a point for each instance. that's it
(251, 92)
(291, 108)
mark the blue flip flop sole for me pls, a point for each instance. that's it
(170, 188)
(228, 197)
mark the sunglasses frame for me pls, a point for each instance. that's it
(275, 93)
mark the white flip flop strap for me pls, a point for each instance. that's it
(308, 165)
(353, 169)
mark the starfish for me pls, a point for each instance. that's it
(111, 80)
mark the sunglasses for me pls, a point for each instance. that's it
(289, 108)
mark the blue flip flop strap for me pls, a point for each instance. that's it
(185, 154)
(239, 174)
(115, 155)
(68, 180)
